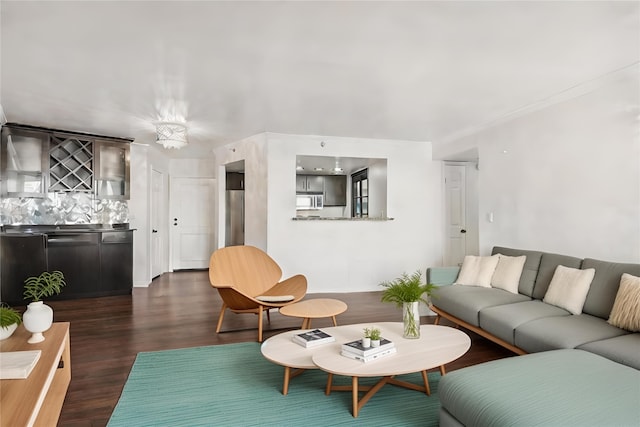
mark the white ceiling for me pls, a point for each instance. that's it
(424, 71)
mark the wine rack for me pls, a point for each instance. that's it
(71, 164)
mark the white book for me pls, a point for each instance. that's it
(357, 348)
(313, 338)
(375, 356)
(17, 364)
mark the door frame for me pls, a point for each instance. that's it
(172, 214)
(161, 207)
(472, 245)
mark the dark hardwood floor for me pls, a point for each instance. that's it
(180, 310)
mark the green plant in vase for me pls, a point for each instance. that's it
(45, 285)
(9, 320)
(39, 317)
(407, 291)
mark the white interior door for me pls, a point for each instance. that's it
(157, 223)
(455, 214)
(192, 222)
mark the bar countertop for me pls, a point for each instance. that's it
(317, 218)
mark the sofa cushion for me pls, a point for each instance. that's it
(502, 320)
(548, 264)
(623, 349)
(477, 270)
(605, 285)
(530, 269)
(464, 302)
(552, 333)
(555, 388)
(508, 272)
(625, 313)
(568, 288)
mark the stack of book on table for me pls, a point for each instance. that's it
(18, 364)
(312, 338)
(355, 350)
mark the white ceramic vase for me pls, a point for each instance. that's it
(7, 331)
(366, 342)
(375, 343)
(37, 319)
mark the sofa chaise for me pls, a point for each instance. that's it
(579, 353)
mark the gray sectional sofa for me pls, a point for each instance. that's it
(525, 324)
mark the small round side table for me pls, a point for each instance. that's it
(314, 309)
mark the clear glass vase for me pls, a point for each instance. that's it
(411, 319)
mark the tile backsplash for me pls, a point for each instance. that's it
(63, 208)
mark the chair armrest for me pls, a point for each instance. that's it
(221, 285)
(294, 285)
(442, 276)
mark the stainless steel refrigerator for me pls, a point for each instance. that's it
(234, 230)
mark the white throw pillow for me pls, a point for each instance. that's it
(625, 313)
(508, 272)
(477, 270)
(569, 288)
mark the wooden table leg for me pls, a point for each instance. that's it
(335, 323)
(354, 395)
(329, 383)
(425, 378)
(287, 376)
(442, 370)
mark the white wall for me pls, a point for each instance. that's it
(253, 151)
(566, 178)
(143, 159)
(348, 256)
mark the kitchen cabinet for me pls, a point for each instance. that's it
(335, 190)
(24, 162)
(70, 163)
(310, 184)
(112, 170)
(37, 160)
(95, 260)
(116, 262)
(23, 255)
(77, 255)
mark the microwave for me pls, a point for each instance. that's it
(309, 202)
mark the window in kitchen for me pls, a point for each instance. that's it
(360, 194)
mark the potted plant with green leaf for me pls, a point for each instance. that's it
(366, 339)
(9, 320)
(407, 291)
(374, 334)
(39, 316)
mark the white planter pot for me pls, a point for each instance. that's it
(7, 331)
(375, 343)
(366, 342)
(37, 319)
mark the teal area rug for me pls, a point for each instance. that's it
(233, 385)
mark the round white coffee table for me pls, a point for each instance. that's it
(436, 346)
(295, 358)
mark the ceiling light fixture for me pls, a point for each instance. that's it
(171, 134)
